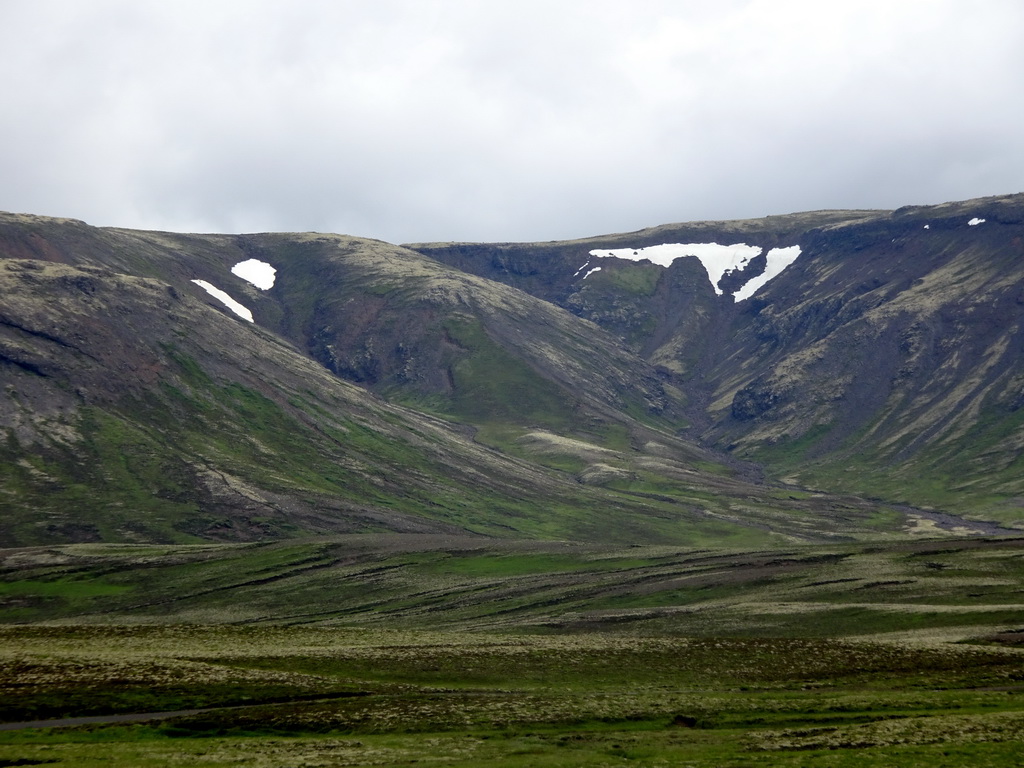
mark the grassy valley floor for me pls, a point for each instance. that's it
(899, 654)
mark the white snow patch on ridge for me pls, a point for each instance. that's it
(257, 272)
(717, 260)
(592, 271)
(221, 296)
(778, 260)
(975, 222)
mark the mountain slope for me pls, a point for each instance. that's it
(610, 387)
(884, 360)
(905, 362)
(135, 410)
(139, 407)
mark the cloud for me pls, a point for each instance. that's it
(411, 120)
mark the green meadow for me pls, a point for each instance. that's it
(399, 651)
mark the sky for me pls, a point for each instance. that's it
(490, 120)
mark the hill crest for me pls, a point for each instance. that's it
(505, 387)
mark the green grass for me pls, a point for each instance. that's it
(496, 566)
(70, 590)
(506, 565)
(384, 650)
(789, 453)
(977, 475)
(135, 482)
(632, 279)
(491, 385)
(952, 587)
(466, 699)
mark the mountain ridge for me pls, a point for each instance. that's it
(496, 391)
(880, 255)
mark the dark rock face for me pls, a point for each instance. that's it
(756, 399)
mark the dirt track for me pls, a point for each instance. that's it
(101, 719)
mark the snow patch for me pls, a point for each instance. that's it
(717, 260)
(975, 222)
(257, 272)
(927, 226)
(778, 260)
(581, 269)
(221, 296)
(592, 271)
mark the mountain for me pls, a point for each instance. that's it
(842, 367)
(885, 360)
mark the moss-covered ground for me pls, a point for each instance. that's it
(391, 650)
(353, 697)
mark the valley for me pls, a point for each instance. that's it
(715, 493)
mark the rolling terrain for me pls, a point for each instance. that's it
(390, 649)
(922, 588)
(136, 412)
(722, 493)
(513, 389)
(367, 388)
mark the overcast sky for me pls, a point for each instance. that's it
(417, 120)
